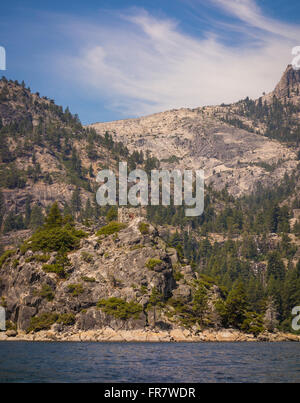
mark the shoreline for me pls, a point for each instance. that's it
(142, 336)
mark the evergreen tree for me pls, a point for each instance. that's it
(275, 266)
(27, 211)
(112, 214)
(236, 305)
(36, 218)
(76, 201)
(54, 217)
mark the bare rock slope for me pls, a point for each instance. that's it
(200, 139)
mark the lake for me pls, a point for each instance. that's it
(149, 362)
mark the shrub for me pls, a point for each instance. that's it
(88, 279)
(75, 289)
(112, 214)
(42, 322)
(55, 268)
(46, 292)
(120, 309)
(62, 239)
(156, 298)
(6, 255)
(66, 319)
(46, 320)
(253, 323)
(112, 228)
(144, 228)
(87, 257)
(38, 258)
(3, 302)
(184, 314)
(10, 325)
(177, 275)
(57, 234)
(15, 263)
(152, 263)
(144, 289)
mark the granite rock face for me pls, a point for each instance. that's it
(200, 138)
(115, 266)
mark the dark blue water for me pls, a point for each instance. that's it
(149, 362)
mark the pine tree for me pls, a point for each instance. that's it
(27, 211)
(2, 208)
(76, 201)
(236, 305)
(54, 217)
(112, 214)
(36, 218)
(275, 266)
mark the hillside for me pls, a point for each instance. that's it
(231, 143)
(46, 156)
(69, 268)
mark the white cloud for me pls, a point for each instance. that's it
(144, 64)
(248, 12)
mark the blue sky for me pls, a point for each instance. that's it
(116, 59)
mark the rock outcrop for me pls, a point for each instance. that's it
(125, 267)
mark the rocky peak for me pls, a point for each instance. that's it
(289, 85)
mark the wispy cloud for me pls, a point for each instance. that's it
(142, 64)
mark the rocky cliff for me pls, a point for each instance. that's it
(129, 280)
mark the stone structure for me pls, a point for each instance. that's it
(126, 215)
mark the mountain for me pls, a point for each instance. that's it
(231, 143)
(46, 155)
(289, 86)
(71, 267)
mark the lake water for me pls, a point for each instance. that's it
(149, 362)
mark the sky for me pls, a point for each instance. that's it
(117, 59)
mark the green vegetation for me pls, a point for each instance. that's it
(15, 263)
(88, 279)
(144, 228)
(42, 322)
(112, 214)
(177, 275)
(190, 314)
(10, 325)
(38, 258)
(120, 309)
(47, 319)
(76, 289)
(55, 268)
(87, 257)
(46, 292)
(156, 299)
(279, 118)
(55, 234)
(153, 263)
(6, 255)
(111, 228)
(59, 267)
(3, 302)
(66, 319)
